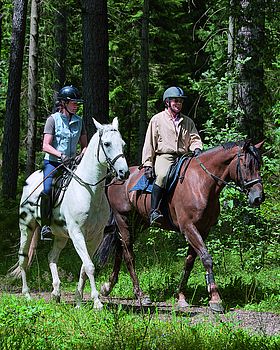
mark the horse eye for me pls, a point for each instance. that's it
(107, 144)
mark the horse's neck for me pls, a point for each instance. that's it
(217, 162)
(90, 169)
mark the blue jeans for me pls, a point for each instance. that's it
(49, 166)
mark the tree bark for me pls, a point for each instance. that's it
(60, 48)
(144, 77)
(12, 116)
(251, 48)
(95, 62)
(32, 87)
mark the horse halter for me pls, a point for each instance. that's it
(110, 162)
(244, 185)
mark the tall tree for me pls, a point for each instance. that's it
(60, 29)
(144, 76)
(32, 86)
(95, 62)
(12, 116)
(250, 50)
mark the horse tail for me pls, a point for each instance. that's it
(109, 242)
(15, 270)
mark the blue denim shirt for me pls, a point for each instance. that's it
(67, 135)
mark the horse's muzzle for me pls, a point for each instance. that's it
(256, 196)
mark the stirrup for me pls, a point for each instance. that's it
(46, 233)
(155, 217)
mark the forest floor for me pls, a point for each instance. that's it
(263, 323)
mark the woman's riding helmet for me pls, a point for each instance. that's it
(69, 93)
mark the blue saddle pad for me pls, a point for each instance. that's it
(173, 174)
(143, 185)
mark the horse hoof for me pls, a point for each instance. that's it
(216, 307)
(56, 298)
(145, 301)
(105, 289)
(182, 304)
(97, 305)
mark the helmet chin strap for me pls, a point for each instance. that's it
(70, 113)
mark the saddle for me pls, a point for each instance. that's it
(146, 186)
(172, 177)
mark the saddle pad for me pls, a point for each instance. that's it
(145, 185)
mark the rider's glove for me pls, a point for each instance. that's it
(78, 158)
(149, 172)
(65, 159)
(197, 152)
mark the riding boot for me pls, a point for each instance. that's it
(46, 232)
(155, 215)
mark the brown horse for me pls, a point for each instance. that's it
(193, 208)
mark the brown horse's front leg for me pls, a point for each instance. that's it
(189, 262)
(195, 240)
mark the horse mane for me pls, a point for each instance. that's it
(251, 152)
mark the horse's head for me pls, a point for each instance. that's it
(246, 172)
(110, 149)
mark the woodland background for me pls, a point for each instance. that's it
(122, 55)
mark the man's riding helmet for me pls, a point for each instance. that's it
(69, 93)
(173, 92)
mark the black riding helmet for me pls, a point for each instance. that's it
(69, 93)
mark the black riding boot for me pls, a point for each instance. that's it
(46, 233)
(155, 215)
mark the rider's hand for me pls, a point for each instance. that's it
(65, 159)
(78, 158)
(197, 152)
(149, 172)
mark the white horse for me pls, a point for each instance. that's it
(82, 214)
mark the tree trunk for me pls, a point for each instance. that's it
(231, 37)
(12, 117)
(60, 48)
(250, 48)
(32, 86)
(95, 62)
(144, 77)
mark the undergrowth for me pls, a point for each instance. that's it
(40, 325)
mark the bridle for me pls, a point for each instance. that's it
(244, 185)
(110, 164)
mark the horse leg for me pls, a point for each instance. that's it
(87, 267)
(107, 287)
(91, 247)
(53, 256)
(189, 263)
(195, 240)
(26, 230)
(128, 255)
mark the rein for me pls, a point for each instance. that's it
(243, 188)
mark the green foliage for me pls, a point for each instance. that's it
(40, 325)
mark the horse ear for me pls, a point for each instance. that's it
(97, 124)
(259, 145)
(115, 123)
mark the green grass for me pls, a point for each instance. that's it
(40, 325)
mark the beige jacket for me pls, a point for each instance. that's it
(163, 137)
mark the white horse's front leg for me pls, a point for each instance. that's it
(58, 245)
(87, 267)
